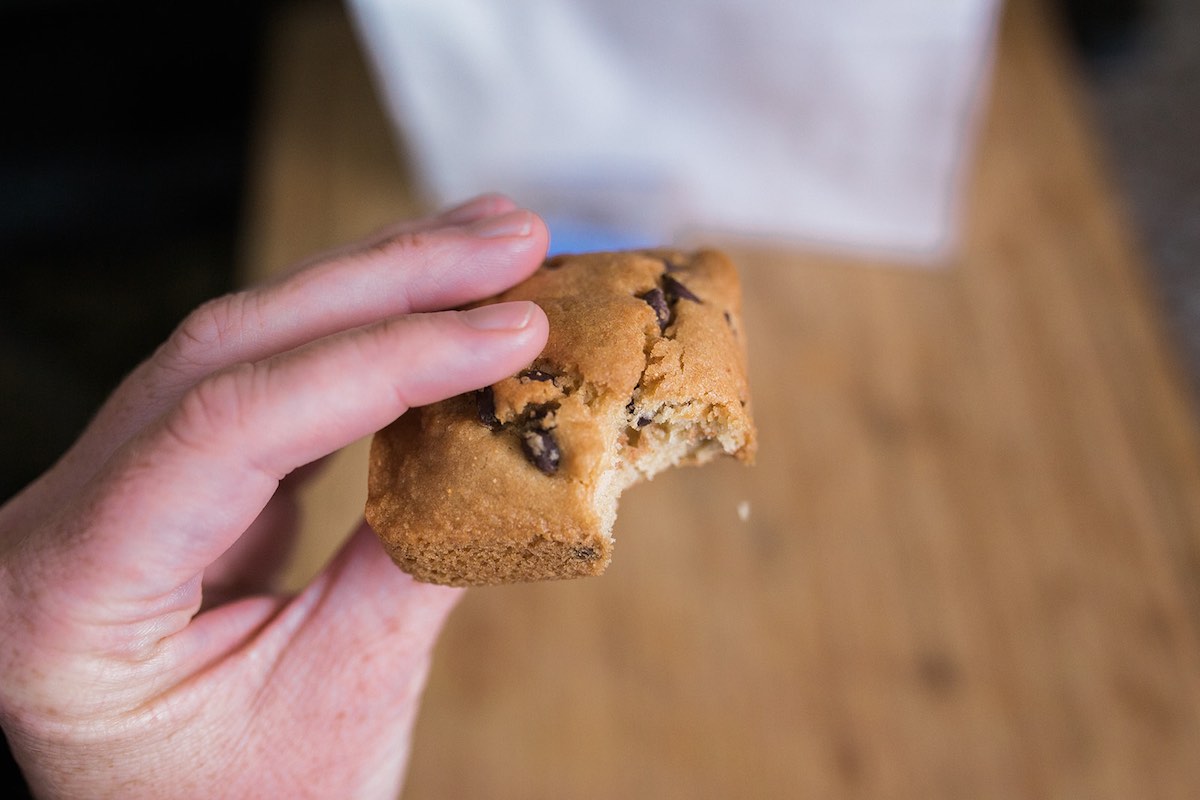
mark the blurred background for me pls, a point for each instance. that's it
(127, 166)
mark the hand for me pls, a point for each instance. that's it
(142, 652)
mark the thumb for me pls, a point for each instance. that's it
(368, 605)
(361, 656)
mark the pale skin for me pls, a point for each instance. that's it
(144, 651)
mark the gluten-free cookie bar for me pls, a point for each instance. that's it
(644, 369)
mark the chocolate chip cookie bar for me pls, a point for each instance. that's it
(644, 370)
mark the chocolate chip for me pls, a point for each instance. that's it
(541, 449)
(537, 441)
(485, 406)
(536, 375)
(658, 301)
(643, 421)
(675, 290)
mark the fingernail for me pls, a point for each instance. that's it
(476, 208)
(499, 316)
(512, 223)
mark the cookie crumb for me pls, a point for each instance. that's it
(743, 511)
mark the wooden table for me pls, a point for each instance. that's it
(972, 563)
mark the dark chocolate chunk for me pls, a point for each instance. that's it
(658, 301)
(643, 421)
(485, 405)
(536, 375)
(676, 290)
(541, 449)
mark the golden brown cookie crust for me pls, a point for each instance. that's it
(644, 368)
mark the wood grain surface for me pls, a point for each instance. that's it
(971, 567)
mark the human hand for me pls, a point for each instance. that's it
(143, 651)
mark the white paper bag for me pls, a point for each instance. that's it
(627, 122)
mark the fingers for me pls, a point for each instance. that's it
(178, 496)
(481, 207)
(465, 254)
(409, 271)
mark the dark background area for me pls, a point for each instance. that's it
(123, 158)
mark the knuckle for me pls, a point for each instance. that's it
(213, 407)
(206, 332)
(397, 243)
(379, 341)
(387, 332)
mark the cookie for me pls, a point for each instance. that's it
(644, 370)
